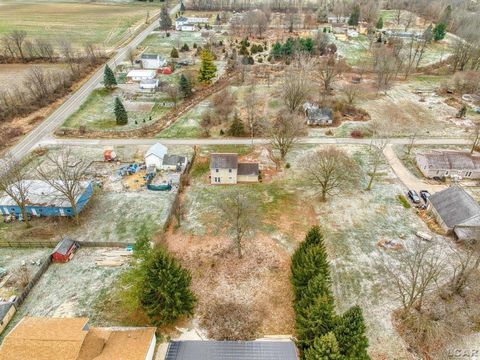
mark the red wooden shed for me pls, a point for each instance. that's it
(64, 250)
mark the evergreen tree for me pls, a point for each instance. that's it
(165, 20)
(174, 53)
(354, 16)
(120, 113)
(182, 7)
(218, 20)
(379, 24)
(207, 67)
(314, 321)
(276, 51)
(109, 78)
(439, 32)
(165, 294)
(324, 348)
(142, 243)
(350, 334)
(185, 86)
(236, 128)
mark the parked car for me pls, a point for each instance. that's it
(412, 194)
(424, 194)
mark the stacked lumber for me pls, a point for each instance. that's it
(117, 257)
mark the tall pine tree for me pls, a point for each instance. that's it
(121, 115)
(350, 334)
(109, 80)
(165, 20)
(354, 16)
(165, 294)
(439, 31)
(208, 69)
(379, 24)
(236, 127)
(324, 348)
(185, 86)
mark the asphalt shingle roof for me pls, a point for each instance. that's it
(223, 161)
(455, 206)
(247, 169)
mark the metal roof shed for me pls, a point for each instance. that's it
(231, 350)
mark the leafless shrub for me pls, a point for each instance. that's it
(231, 321)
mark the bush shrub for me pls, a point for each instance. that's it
(403, 200)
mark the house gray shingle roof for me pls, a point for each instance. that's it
(223, 161)
(150, 56)
(455, 206)
(451, 160)
(247, 169)
(231, 350)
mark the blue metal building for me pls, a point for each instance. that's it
(44, 200)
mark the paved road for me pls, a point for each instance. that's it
(239, 141)
(48, 126)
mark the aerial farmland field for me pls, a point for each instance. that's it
(99, 23)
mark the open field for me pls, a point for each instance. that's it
(104, 24)
(70, 289)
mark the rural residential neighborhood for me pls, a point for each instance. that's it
(239, 180)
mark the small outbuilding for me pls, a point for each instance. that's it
(154, 156)
(141, 75)
(64, 250)
(150, 85)
(109, 155)
(457, 213)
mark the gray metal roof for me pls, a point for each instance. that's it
(455, 206)
(223, 161)
(63, 246)
(247, 169)
(231, 350)
(173, 160)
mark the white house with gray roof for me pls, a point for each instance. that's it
(448, 164)
(457, 213)
(152, 61)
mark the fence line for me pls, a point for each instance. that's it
(21, 298)
(52, 244)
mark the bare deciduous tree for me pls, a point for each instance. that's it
(330, 170)
(376, 159)
(414, 274)
(131, 56)
(385, 66)
(12, 183)
(467, 262)
(239, 212)
(284, 133)
(351, 92)
(65, 172)
(329, 69)
(475, 137)
(296, 84)
(18, 37)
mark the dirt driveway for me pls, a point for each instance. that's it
(406, 177)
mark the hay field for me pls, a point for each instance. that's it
(106, 24)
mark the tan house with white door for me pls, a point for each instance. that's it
(226, 169)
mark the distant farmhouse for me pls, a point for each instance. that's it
(73, 339)
(456, 212)
(44, 200)
(449, 163)
(225, 169)
(317, 116)
(183, 23)
(152, 61)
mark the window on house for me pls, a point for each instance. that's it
(216, 170)
(229, 170)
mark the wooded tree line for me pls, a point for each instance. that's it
(321, 333)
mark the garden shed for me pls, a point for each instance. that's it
(64, 250)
